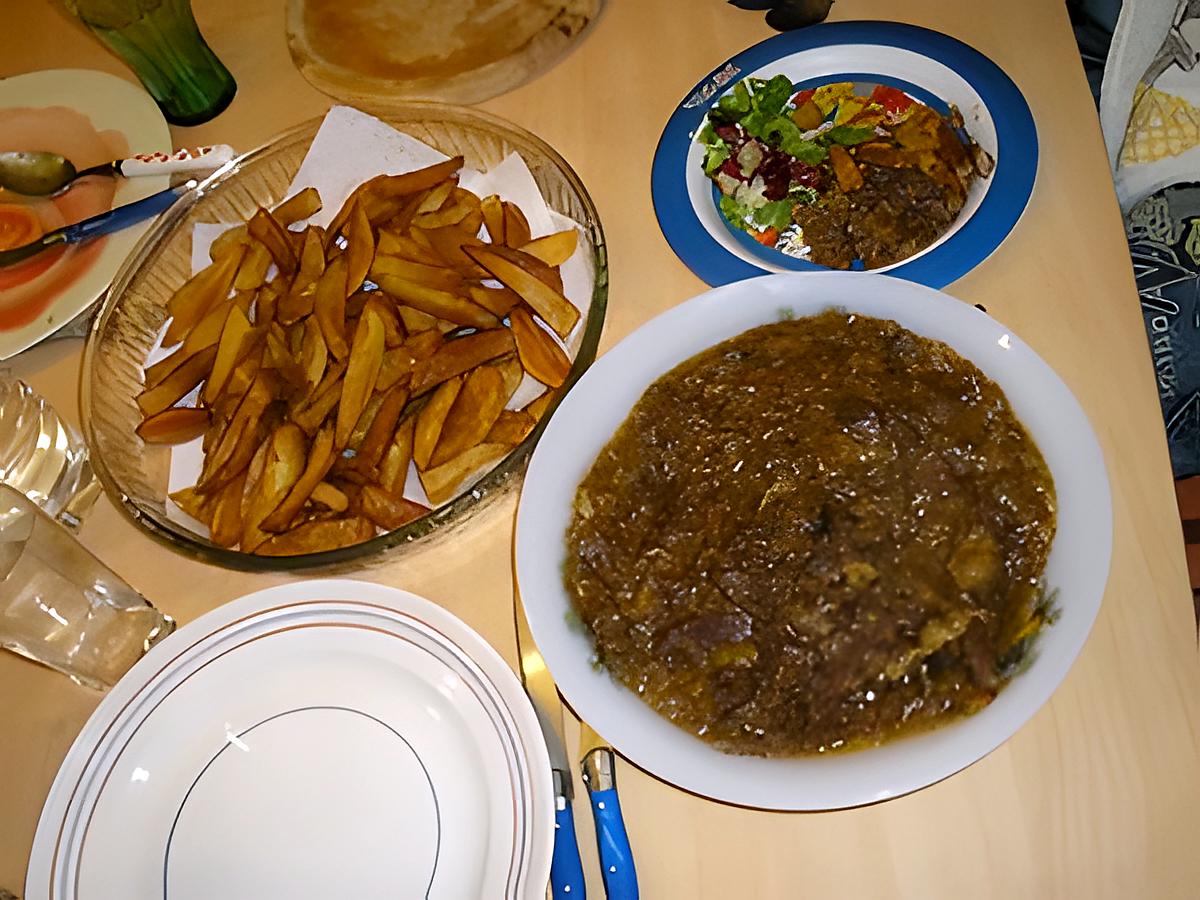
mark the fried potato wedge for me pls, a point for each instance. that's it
(393, 471)
(516, 226)
(366, 356)
(176, 425)
(512, 426)
(236, 338)
(439, 303)
(537, 407)
(317, 536)
(333, 499)
(383, 425)
(431, 418)
(329, 307)
(178, 384)
(320, 460)
(360, 246)
(553, 249)
(197, 295)
(225, 525)
(283, 466)
(460, 355)
(555, 309)
(539, 352)
(268, 231)
(387, 510)
(497, 301)
(252, 273)
(441, 483)
(493, 218)
(193, 503)
(441, 277)
(475, 410)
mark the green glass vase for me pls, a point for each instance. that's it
(159, 40)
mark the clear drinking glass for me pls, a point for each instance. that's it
(61, 606)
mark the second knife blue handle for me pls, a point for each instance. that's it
(616, 857)
(566, 869)
(122, 216)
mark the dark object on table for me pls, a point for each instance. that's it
(814, 536)
(787, 15)
(163, 46)
(1164, 241)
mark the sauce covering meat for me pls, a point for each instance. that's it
(817, 535)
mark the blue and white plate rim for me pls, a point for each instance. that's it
(1005, 194)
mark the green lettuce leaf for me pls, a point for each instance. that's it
(707, 135)
(735, 213)
(771, 97)
(716, 154)
(736, 104)
(777, 214)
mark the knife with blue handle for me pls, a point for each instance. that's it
(105, 223)
(612, 842)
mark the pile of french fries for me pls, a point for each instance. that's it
(395, 337)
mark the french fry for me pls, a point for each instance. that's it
(460, 355)
(266, 302)
(441, 483)
(497, 301)
(155, 373)
(386, 186)
(360, 247)
(439, 277)
(313, 355)
(431, 418)
(540, 354)
(365, 359)
(405, 247)
(240, 439)
(177, 385)
(475, 410)
(388, 510)
(512, 426)
(365, 418)
(438, 303)
(449, 244)
(279, 357)
(226, 523)
(265, 229)
(393, 471)
(493, 218)
(285, 463)
(298, 207)
(330, 497)
(197, 295)
(435, 198)
(252, 273)
(375, 442)
(235, 341)
(310, 416)
(393, 328)
(511, 372)
(555, 309)
(320, 459)
(208, 331)
(298, 301)
(329, 307)
(193, 503)
(318, 536)
(176, 425)
(516, 226)
(553, 249)
(416, 321)
(451, 214)
(537, 407)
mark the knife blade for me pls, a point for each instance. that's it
(105, 223)
(612, 841)
(566, 869)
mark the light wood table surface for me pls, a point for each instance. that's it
(1098, 796)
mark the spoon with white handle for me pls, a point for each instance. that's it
(40, 172)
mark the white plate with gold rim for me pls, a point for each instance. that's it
(318, 739)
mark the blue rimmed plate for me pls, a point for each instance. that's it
(931, 67)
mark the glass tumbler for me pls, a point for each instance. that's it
(160, 41)
(61, 606)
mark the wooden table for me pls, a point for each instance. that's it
(1098, 796)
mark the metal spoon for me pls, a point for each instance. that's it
(40, 172)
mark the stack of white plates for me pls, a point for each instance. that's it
(315, 740)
